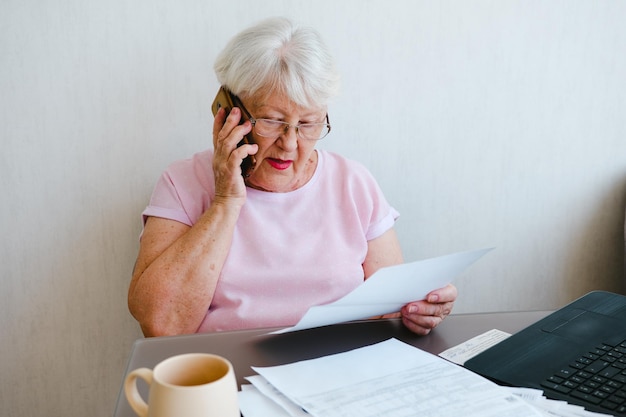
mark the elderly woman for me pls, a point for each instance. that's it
(221, 250)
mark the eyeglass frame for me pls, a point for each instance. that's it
(253, 120)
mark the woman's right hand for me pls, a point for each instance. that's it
(227, 133)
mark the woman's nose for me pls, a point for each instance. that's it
(289, 138)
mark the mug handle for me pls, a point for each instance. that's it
(132, 393)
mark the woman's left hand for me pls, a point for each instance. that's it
(422, 316)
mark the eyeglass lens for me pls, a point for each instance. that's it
(310, 131)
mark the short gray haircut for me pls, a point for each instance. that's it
(276, 56)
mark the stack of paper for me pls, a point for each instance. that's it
(552, 408)
(388, 379)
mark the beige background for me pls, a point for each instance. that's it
(488, 123)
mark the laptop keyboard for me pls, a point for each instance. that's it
(598, 378)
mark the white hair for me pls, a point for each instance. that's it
(275, 56)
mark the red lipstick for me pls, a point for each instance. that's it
(279, 164)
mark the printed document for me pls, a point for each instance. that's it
(467, 350)
(391, 379)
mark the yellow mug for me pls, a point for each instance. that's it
(190, 385)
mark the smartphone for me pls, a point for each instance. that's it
(228, 100)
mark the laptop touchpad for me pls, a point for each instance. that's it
(583, 326)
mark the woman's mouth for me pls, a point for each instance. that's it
(279, 163)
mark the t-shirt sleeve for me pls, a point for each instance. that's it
(184, 190)
(165, 202)
(378, 228)
(376, 214)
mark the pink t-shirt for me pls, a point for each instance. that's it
(290, 251)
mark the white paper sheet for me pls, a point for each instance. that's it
(465, 351)
(389, 289)
(252, 403)
(391, 379)
(551, 408)
(268, 390)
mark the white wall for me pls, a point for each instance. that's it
(488, 123)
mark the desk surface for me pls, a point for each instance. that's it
(257, 348)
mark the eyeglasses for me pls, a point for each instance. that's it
(268, 128)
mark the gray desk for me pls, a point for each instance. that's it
(257, 348)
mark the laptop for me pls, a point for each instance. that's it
(576, 354)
